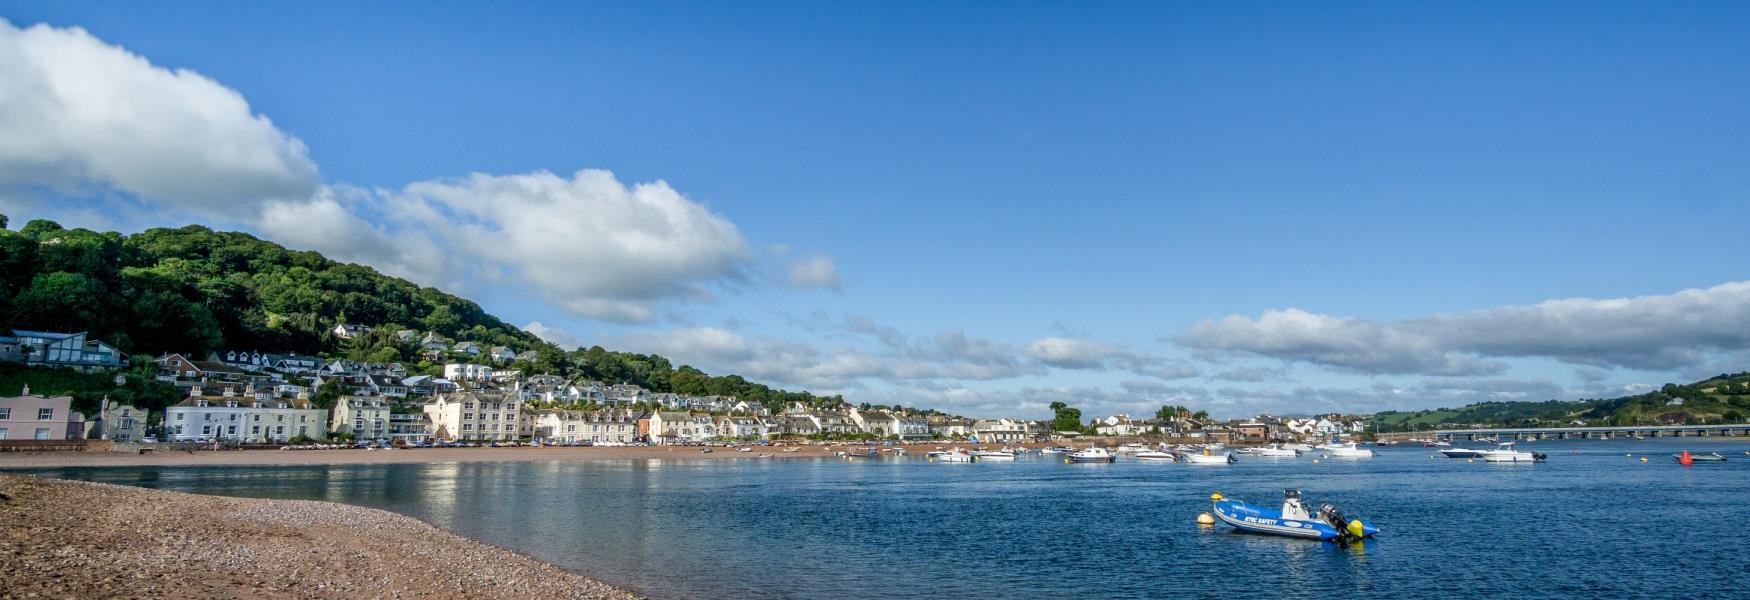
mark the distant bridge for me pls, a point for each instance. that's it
(1562, 433)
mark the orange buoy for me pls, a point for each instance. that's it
(1684, 459)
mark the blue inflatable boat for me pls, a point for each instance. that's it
(1292, 520)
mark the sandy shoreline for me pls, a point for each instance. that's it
(68, 539)
(30, 460)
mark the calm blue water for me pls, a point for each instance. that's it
(1586, 524)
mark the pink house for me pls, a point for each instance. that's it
(29, 417)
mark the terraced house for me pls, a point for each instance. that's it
(572, 426)
(474, 415)
(253, 417)
(365, 417)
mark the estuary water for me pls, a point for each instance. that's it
(1590, 522)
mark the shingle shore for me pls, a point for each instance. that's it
(72, 539)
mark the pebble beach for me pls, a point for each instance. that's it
(70, 539)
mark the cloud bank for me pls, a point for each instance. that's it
(1659, 332)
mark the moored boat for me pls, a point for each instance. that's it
(1347, 450)
(1276, 451)
(1504, 452)
(1462, 452)
(951, 456)
(1685, 457)
(992, 455)
(1208, 457)
(1091, 455)
(1292, 520)
(1156, 456)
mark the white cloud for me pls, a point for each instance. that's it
(83, 118)
(814, 272)
(588, 243)
(1659, 332)
(1072, 353)
(77, 113)
(554, 335)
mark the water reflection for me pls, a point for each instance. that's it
(1041, 529)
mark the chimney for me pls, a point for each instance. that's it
(194, 391)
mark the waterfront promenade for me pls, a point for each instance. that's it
(1563, 433)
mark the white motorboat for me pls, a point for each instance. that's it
(1347, 450)
(992, 455)
(1504, 452)
(1462, 452)
(1131, 448)
(951, 456)
(1275, 451)
(1297, 447)
(1091, 455)
(1054, 451)
(1209, 457)
(1156, 456)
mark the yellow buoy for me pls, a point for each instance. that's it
(1355, 528)
(1205, 519)
(1215, 497)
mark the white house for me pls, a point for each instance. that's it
(593, 426)
(468, 348)
(737, 428)
(474, 416)
(244, 418)
(348, 331)
(365, 417)
(467, 372)
(502, 354)
(1001, 431)
(669, 427)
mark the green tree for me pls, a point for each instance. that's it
(1067, 418)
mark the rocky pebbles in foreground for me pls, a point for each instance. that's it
(72, 539)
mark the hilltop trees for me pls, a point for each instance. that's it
(192, 290)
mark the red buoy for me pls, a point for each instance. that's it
(1684, 459)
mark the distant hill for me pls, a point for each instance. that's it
(193, 290)
(1725, 398)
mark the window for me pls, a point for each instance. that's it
(2, 433)
(179, 416)
(42, 433)
(303, 430)
(256, 430)
(233, 416)
(258, 418)
(280, 418)
(232, 430)
(206, 416)
(467, 427)
(279, 430)
(45, 414)
(206, 430)
(125, 413)
(125, 424)
(468, 406)
(5, 413)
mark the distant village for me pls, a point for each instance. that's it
(249, 397)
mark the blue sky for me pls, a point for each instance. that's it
(978, 206)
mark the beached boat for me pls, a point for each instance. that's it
(1208, 457)
(1091, 455)
(1347, 450)
(1462, 452)
(1156, 456)
(1292, 520)
(1504, 452)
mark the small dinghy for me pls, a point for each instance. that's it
(1292, 520)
